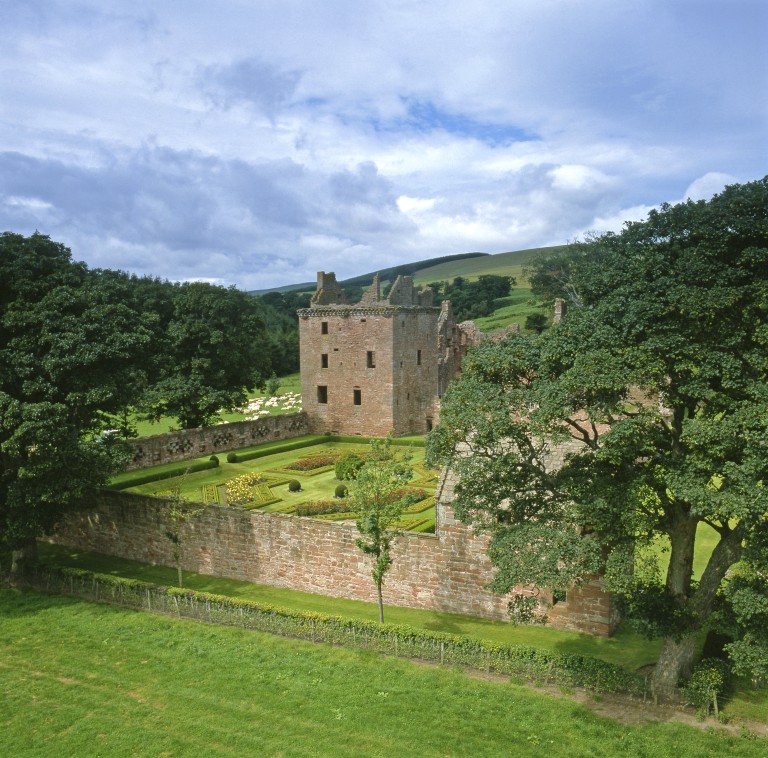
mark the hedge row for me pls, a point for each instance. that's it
(135, 478)
(405, 641)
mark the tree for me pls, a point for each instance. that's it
(743, 615)
(536, 322)
(659, 384)
(215, 349)
(71, 350)
(179, 513)
(472, 299)
(378, 497)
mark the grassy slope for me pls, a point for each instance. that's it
(509, 310)
(503, 264)
(117, 682)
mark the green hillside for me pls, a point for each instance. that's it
(501, 264)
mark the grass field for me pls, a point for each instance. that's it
(512, 263)
(625, 648)
(80, 679)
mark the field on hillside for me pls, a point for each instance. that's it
(117, 682)
(501, 264)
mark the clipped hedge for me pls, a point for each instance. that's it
(271, 449)
(405, 641)
(135, 478)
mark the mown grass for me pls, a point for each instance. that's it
(625, 648)
(86, 679)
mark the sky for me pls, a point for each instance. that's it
(256, 142)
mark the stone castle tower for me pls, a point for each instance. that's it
(380, 365)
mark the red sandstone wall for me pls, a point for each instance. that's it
(445, 573)
(191, 443)
(351, 334)
(398, 394)
(415, 381)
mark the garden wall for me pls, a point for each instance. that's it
(443, 572)
(191, 443)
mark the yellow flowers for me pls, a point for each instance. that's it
(240, 489)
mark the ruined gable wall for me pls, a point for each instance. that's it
(415, 369)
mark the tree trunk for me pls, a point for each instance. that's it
(22, 559)
(676, 657)
(675, 661)
(381, 603)
(181, 575)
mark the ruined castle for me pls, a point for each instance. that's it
(380, 365)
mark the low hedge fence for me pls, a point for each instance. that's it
(135, 478)
(515, 660)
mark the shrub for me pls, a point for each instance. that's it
(341, 490)
(348, 466)
(231, 457)
(214, 459)
(294, 485)
(710, 678)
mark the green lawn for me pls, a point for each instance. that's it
(83, 679)
(625, 648)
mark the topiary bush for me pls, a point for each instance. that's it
(348, 466)
(231, 457)
(294, 485)
(214, 459)
(341, 490)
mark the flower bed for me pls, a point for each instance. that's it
(312, 463)
(321, 507)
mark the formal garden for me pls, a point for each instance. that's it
(307, 476)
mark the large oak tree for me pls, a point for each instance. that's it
(656, 378)
(71, 350)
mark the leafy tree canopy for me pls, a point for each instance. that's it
(657, 385)
(70, 350)
(215, 348)
(473, 299)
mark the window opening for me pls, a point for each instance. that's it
(322, 394)
(418, 357)
(357, 397)
(370, 360)
(323, 327)
(324, 360)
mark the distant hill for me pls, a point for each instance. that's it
(469, 265)
(387, 274)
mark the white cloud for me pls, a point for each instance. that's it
(710, 184)
(257, 143)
